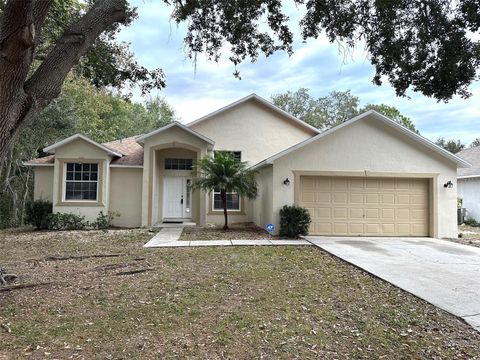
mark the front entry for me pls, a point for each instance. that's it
(176, 198)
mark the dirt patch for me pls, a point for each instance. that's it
(236, 232)
(216, 303)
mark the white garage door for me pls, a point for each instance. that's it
(366, 206)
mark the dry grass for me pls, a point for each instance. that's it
(209, 303)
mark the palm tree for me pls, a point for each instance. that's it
(224, 173)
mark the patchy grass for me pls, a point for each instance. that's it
(235, 232)
(209, 303)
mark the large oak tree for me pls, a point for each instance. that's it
(420, 45)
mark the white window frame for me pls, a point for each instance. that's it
(64, 192)
(229, 210)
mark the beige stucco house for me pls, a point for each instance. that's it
(368, 176)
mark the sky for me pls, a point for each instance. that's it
(317, 65)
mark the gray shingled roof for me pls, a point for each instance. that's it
(472, 155)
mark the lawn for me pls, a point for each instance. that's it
(208, 303)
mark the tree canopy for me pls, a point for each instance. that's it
(424, 45)
(454, 146)
(333, 109)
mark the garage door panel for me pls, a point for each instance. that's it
(340, 197)
(372, 214)
(388, 214)
(372, 198)
(340, 228)
(323, 213)
(371, 228)
(340, 213)
(340, 183)
(356, 213)
(356, 228)
(324, 197)
(356, 198)
(366, 206)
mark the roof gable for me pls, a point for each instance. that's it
(259, 99)
(51, 149)
(141, 139)
(379, 117)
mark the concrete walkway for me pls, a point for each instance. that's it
(444, 273)
(169, 237)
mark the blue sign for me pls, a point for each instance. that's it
(270, 228)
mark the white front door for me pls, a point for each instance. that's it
(177, 198)
(173, 197)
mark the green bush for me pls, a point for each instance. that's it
(65, 221)
(471, 222)
(37, 213)
(294, 221)
(104, 221)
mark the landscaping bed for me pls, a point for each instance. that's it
(107, 297)
(235, 232)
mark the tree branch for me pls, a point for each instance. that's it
(46, 83)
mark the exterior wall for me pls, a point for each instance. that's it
(173, 138)
(371, 148)
(469, 191)
(126, 196)
(253, 129)
(81, 151)
(263, 204)
(245, 215)
(43, 183)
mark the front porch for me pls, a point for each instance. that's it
(169, 156)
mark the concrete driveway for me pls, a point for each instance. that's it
(441, 272)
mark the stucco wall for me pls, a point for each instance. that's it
(253, 129)
(81, 151)
(263, 204)
(126, 196)
(373, 147)
(469, 191)
(245, 215)
(43, 183)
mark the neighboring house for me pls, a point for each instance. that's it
(468, 181)
(368, 176)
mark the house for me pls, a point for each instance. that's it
(367, 176)
(468, 181)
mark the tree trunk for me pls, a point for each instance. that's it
(223, 195)
(21, 100)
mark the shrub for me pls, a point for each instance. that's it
(294, 221)
(65, 221)
(37, 213)
(471, 222)
(104, 221)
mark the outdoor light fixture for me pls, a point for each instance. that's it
(286, 182)
(448, 184)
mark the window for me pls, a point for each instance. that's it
(233, 201)
(178, 164)
(237, 155)
(81, 181)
